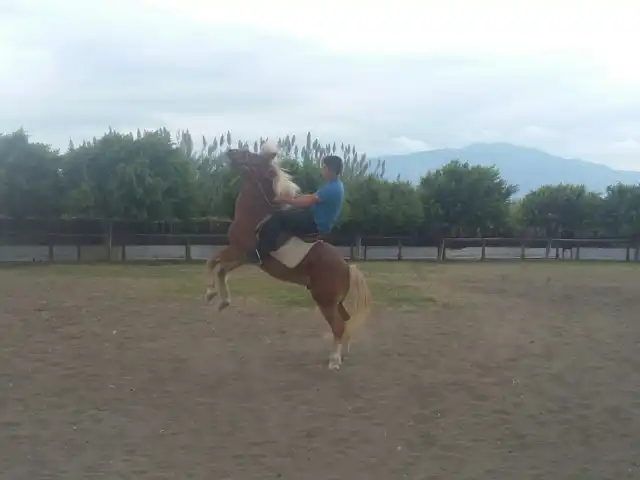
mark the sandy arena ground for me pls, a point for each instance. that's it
(466, 371)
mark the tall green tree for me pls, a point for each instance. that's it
(152, 175)
(308, 176)
(31, 182)
(141, 178)
(552, 209)
(463, 200)
(621, 210)
(375, 207)
(356, 165)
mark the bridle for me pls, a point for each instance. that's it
(255, 180)
(260, 187)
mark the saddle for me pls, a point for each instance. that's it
(291, 249)
(283, 238)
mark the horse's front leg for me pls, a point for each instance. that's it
(220, 266)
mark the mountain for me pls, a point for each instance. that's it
(529, 168)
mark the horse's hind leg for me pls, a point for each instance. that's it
(213, 263)
(222, 281)
(332, 316)
(342, 311)
(220, 266)
(222, 285)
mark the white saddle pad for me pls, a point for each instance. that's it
(293, 252)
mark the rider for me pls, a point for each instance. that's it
(314, 213)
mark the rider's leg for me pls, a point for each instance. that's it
(267, 238)
(299, 222)
(293, 222)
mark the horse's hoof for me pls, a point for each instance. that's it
(334, 363)
(224, 304)
(210, 295)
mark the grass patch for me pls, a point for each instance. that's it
(405, 297)
(401, 285)
(389, 286)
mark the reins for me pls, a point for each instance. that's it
(264, 194)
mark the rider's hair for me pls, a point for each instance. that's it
(333, 163)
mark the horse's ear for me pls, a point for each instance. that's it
(268, 149)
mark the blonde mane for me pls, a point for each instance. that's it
(283, 185)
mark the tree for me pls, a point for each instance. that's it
(152, 175)
(364, 207)
(142, 178)
(356, 165)
(376, 207)
(216, 186)
(621, 210)
(552, 209)
(308, 176)
(459, 199)
(30, 177)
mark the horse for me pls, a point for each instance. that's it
(567, 234)
(317, 265)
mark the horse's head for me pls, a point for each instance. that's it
(257, 165)
(263, 172)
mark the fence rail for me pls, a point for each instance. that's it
(132, 247)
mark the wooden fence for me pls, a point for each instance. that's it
(559, 246)
(189, 247)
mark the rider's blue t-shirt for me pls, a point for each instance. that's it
(327, 210)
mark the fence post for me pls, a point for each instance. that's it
(123, 253)
(522, 250)
(636, 253)
(578, 252)
(109, 240)
(483, 253)
(399, 249)
(79, 252)
(443, 250)
(187, 250)
(547, 251)
(50, 244)
(627, 256)
(359, 247)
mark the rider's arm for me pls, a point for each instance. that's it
(303, 201)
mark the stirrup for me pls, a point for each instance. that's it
(254, 257)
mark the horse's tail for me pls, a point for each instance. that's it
(362, 301)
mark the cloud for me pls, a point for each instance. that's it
(402, 76)
(535, 132)
(629, 145)
(409, 145)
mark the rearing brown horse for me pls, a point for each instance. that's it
(319, 266)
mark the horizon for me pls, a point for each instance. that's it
(382, 156)
(585, 160)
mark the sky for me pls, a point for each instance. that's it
(388, 76)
